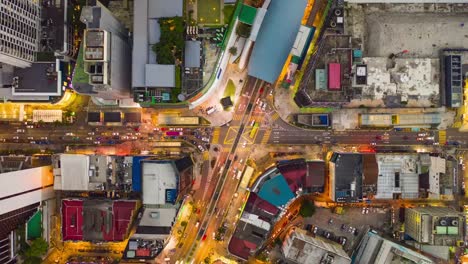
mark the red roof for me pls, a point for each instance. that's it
(72, 219)
(143, 252)
(241, 248)
(334, 76)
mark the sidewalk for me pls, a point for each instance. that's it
(284, 103)
(220, 116)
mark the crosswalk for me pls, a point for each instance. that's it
(275, 116)
(442, 137)
(237, 117)
(266, 137)
(206, 155)
(216, 133)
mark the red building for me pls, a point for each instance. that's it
(334, 76)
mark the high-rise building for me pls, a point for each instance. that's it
(25, 191)
(298, 247)
(378, 250)
(440, 226)
(106, 52)
(19, 31)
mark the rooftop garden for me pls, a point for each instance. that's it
(171, 43)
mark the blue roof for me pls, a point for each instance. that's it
(276, 38)
(276, 191)
(136, 173)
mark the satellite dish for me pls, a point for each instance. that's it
(181, 97)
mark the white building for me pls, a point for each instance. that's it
(78, 172)
(300, 248)
(24, 190)
(106, 55)
(375, 249)
(19, 32)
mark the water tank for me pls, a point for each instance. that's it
(332, 24)
(337, 12)
(454, 222)
(443, 222)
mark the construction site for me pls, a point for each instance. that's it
(390, 56)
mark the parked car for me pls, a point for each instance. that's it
(342, 240)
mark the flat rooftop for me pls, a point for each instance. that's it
(40, 78)
(413, 78)
(276, 38)
(159, 182)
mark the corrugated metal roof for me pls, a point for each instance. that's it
(140, 42)
(159, 75)
(164, 8)
(275, 39)
(334, 76)
(192, 54)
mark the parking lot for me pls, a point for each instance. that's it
(342, 225)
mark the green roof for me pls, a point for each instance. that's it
(452, 230)
(80, 76)
(35, 226)
(247, 14)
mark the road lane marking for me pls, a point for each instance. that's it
(266, 137)
(275, 116)
(442, 137)
(216, 133)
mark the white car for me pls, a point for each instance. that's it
(20, 131)
(91, 133)
(115, 133)
(44, 138)
(30, 138)
(69, 134)
(97, 142)
(15, 137)
(201, 148)
(29, 126)
(89, 138)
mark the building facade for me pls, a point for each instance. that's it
(298, 247)
(439, 226)
(19, 32)
(106, 55)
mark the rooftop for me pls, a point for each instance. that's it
(77, 172)
(160, 180)
(157, 222)
(262, 64)
(301, 248)
(410, 78)
(348, 176)
(159, 75)
(192, 54)
(398, 174)
(375, 249)
(145, 34)
(96, 220)
(276, 191)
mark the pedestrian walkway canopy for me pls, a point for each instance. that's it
(276, 38)
(247, 14)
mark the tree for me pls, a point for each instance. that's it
(233, 51)
(38, 248)
(243, 30)
(307, 209)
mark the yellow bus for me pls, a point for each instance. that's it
(254, 130)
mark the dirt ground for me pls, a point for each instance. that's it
(423, 34)
(422, 29)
